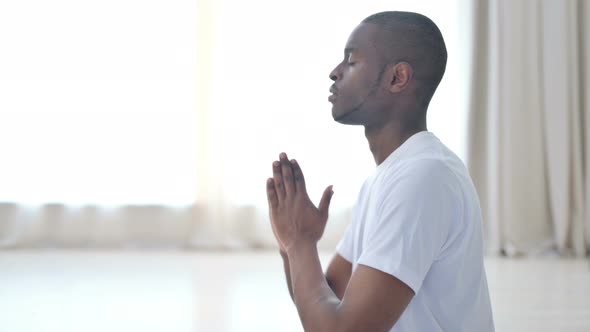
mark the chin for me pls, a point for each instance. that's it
(348, 118)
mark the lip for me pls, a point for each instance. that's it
(333, 95)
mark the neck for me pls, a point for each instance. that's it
(386, 138)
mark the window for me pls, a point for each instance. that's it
(97, 101)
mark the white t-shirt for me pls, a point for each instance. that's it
(418, 219)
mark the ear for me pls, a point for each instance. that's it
(400, 76)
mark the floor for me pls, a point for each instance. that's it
(64, 291)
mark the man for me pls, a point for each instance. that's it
(412, 258)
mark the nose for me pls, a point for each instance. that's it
(335, 73)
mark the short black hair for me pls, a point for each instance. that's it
(413, 38)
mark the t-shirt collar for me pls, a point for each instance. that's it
(406, 145)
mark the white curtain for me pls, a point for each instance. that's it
(180, 109)
(529, 138)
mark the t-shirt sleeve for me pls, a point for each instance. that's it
(411, 223)
(345, 246)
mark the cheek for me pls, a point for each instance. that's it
(356, 91)
(350, 87)
(358, 81)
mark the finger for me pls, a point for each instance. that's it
(298, 176)
(278, 180)
(271, 194)
(287, 174)
(325, 201)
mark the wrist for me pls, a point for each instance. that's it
(300, 246)
(283, 253)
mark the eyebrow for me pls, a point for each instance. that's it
(349, 50)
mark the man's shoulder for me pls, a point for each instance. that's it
(421, 169)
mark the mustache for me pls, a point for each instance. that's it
(333, 89)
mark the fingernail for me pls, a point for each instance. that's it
(276, 164)
(283, 155)
(293, 161)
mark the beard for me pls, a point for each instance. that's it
(353, 116)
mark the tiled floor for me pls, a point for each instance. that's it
(63, 291)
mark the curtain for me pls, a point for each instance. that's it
(529, 139)
(194, 175)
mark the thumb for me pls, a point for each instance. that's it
(325, 201)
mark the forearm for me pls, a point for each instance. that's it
(287, 269)
(287, 273)
(316, 302)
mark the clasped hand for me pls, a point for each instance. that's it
(295, 220)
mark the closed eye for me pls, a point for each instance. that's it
(349, 60)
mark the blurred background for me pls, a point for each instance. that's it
(136, 138)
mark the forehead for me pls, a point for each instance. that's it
(363, 37)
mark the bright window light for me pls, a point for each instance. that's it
(97, 101)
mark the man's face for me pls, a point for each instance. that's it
(357, 78)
